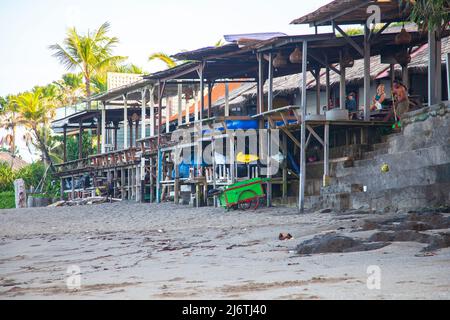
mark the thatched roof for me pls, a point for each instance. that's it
(354, 75)
(18, 163)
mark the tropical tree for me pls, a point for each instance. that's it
(90, 53)
(10, 120)
(429, 14)
(36, 111)
(71, 88)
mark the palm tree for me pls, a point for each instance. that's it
(36, 111)
(89, 53)
(71, 88)
(165, 58)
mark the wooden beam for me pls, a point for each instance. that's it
(310, 129)
(350, 40)
(324, 63)
(291, 136)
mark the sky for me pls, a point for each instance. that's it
(28, 27)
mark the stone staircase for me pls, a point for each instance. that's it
(419, 169)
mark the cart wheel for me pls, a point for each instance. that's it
(252, 203)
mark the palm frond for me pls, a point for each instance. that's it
(171, 63)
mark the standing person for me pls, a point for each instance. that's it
(400, 92)
(378, 100)
(351, 104)
(110, 188)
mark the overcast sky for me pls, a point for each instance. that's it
(28, 27)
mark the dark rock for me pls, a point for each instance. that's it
(326, 211)
(330, 243)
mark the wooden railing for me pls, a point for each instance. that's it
(101, 161)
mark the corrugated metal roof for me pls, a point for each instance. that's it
(253, 36)
(354, 12)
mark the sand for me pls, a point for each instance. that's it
(141, 251)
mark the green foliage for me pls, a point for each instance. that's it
(32, 174)
(7, 200)
(72, 146)
(429, 14)
(7, 177)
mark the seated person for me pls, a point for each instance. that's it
(401, 99)
(351, 104)
(380, 98)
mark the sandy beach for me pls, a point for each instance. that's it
(142, 251)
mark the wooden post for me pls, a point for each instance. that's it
(405, 76)
(196, 106)
(269, 134)
(447, 60)
(80, 141)
(116, 129)
(261, 83)
(328, 86)
(143, 114)
(285, 170)
(227, 99)
(318, 105)
(103, 130)
(303, 130)
(342, 86)
(125, 122)
(202, 91)
(99, 129)
(326, 147)
(65, 144)
(136, 134)
(152, 112)
(367, 97)
(180, 104)
(130, 124)
(210, 87)
(434, 68)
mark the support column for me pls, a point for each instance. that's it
(116, 129)
(260, 83)
(168, 113)
(65, 143)
(342, 86)
(326, 147)
(152, 112)
(144, 114)
(328, 87)
(80, 140)
(434, 69)
(202, 96)
(447, 60)
(367, 97)
(405, 76)
(227, 99)
(130, 124)
(303, 130)
(180, 104)
(99, 130)
(125, 122)
(196, 106)
(285, 170)
(269, 135)
(103, 133)
(210, 100)
(318, 105)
